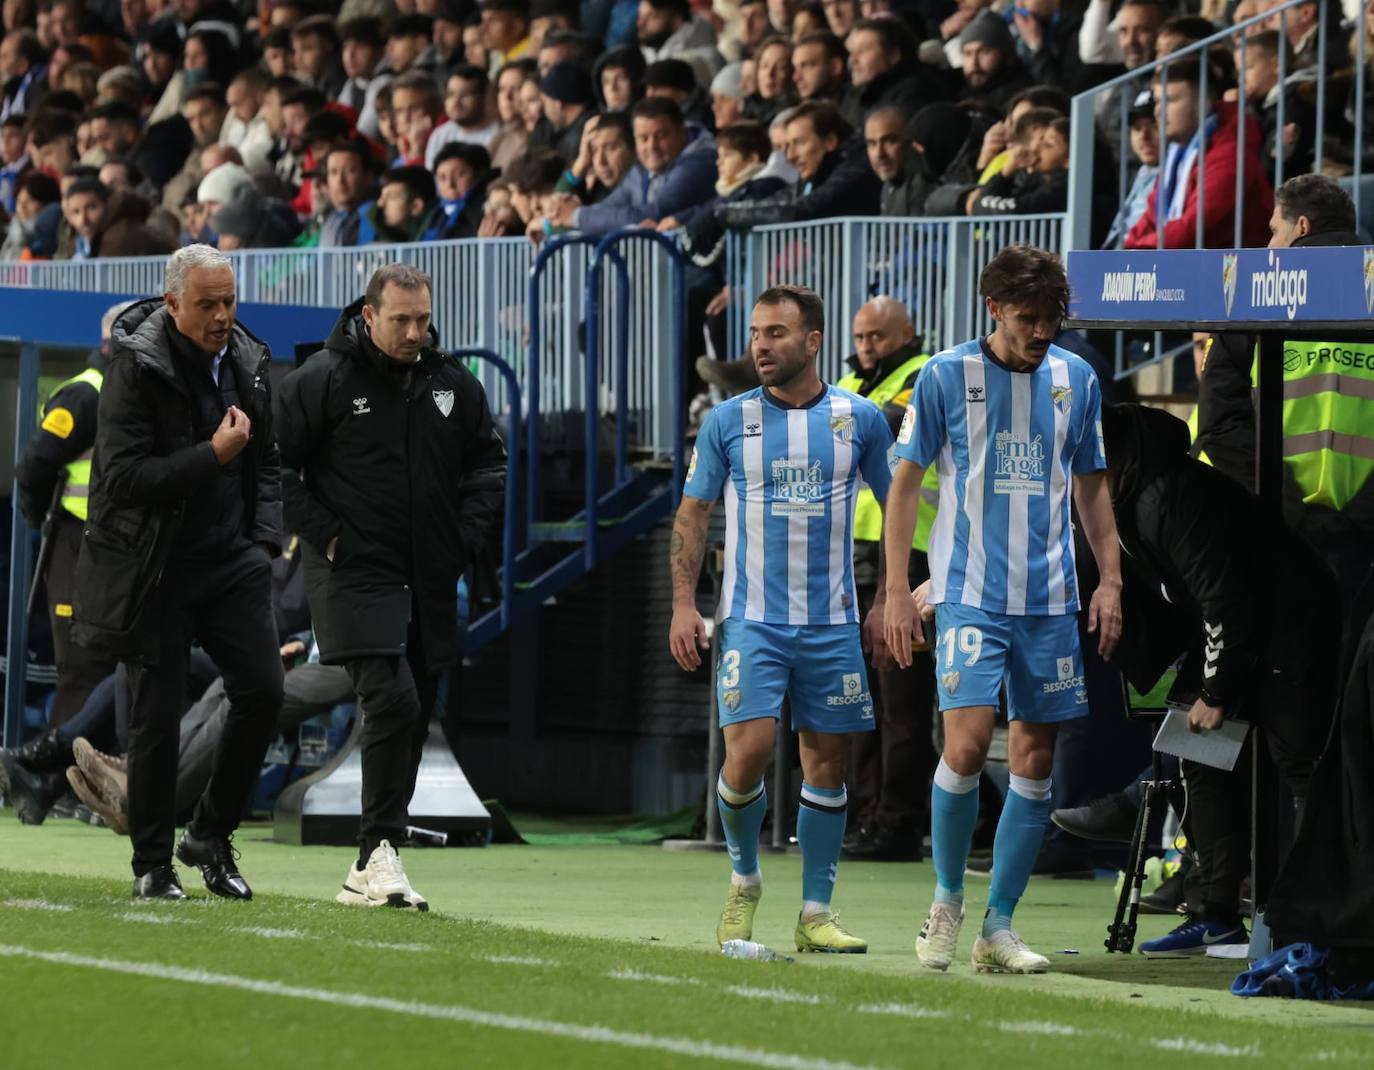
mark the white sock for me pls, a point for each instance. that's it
(811, 909)
(749, 880)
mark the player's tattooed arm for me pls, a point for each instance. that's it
(687, 548)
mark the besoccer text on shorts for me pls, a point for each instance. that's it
(1013, 424)
(787, 457)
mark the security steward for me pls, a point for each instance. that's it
(185, 514)
(393, 474)
(893, 764)
(54, 477)
(1328, 401)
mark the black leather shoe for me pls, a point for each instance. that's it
(1166, 899)
(886, 846)
(45, 753)
(31, 794)
(216, 859)
(1110, 819)
(159, 883)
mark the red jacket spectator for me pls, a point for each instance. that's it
(1219, 199)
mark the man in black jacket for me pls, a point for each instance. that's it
(185, 514)
(1257, 622)
(394, 478)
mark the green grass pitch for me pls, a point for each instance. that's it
(557, 957)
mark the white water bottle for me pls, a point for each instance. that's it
(748, 949)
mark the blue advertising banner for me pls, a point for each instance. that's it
(1223, 289)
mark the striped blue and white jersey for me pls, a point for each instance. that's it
(790, 477)
(1007, 445)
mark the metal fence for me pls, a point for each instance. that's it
(930, 265)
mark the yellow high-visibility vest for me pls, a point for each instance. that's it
(1328, 418)
(76, 494)
(868, 515)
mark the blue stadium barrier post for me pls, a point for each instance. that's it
(21, 551)
(592, 384)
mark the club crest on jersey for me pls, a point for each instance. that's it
(1020, 465)
(908, 425)
(798, 488)
(1062, 396)
(950, 680)
(730, 696)
(843, 429)
(443, 401)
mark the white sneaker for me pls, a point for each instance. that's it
(1005, 952)
(382, 883)
(939, 938)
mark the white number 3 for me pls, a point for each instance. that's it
(970, 641)
(729, 668)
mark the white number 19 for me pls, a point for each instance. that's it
(970, 640)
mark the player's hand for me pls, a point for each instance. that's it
(1205, 718)
(231, 435)
(687, 637)
(901, 623)
(293, 649)
(668, 223)
(1104, 617)
(719, 303)
(873, 639)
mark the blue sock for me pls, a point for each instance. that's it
(820, 832)
(953, 813)
(1019, 833)
(741, 816)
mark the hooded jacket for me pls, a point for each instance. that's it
(403, 465)
(628, 57)
(1195, 544)
(1219, 203)
(685, 189)
(843, 185)
(149, 464)
(910, 85)
(124, 232)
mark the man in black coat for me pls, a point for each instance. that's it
(185, 515)
(394, 476)
(1257, 621)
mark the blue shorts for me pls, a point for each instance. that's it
(819, 667)
(1037, 658)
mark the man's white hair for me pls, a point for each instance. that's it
(182, 262)
(112, 314)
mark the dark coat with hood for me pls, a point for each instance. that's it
(1203, 579)
(403, 465)
(910, 85)
(843, 185)
(149, 464)
(124, 232)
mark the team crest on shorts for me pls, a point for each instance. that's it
(443, 401)
(950, 680)
(730, 696)
(843, 428)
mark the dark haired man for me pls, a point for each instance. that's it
(788, 457)
(471, 114)
(1015, 423)
(403, 206)
(668, 30)
(885, 69)
(393, 474)
(820, 71)
(348, 173)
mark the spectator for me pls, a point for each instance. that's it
(1182, 30)
(450, 17)
(348, 170)
(277, 54)
(416, 110)
(1303, 23)
(885, 69)
(404, 206)
(810, 18)
(567, 99)
(408, 45)
(505, 29)
(773, 90)
(97, 223)
(531, 181)
(315, 57)
(675, 175)
(668, 30)
(61, 59)
(219, 186)
(820, 72)
(1108, 46)
(470, 112)
(727, 97)
(1203, 137)
(287, 107)
(205, 111)
(548, 17)
(841, 15)
(674, 79)
(13, 159)
(363, 49)
(1145, 147)
(34, 194)
(992, 69)
(499, 218)
(833, 176)
(245, 127)
(1047, 42)
(1258, 64)
(121, 175)
(208, 56)
(513, 137)
(475, 50)
(461, 175)
(754, 25)
(52, 143)
(995, 150)
(23, 70)
(560, 46)
(252, 221)
(619, 78)
(123, 85)
(603, 160)
(911, 158)
(531, 102)
(1036, 178)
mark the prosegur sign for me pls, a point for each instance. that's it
(1218, 287)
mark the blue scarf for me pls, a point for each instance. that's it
(1178, 167)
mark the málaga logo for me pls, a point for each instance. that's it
(798, 488)
(1228, 280)
(1369, 281)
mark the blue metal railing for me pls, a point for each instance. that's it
(21, 550)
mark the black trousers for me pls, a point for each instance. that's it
(227, 606)
(1294, 708)
(78, 671)
(396, 698)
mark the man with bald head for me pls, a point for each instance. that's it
(893, 764)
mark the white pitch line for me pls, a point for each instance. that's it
(650, 978)
(271, 934)
(1197, 1047)
(518, 960)
(152, 919)
(382, 945)
(39, 904)
(900, 1010)
(592, 1034)
(1044, 1029)
(775, 995)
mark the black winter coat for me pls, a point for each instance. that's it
(844, 185)
(410, 481)
(147, 464)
